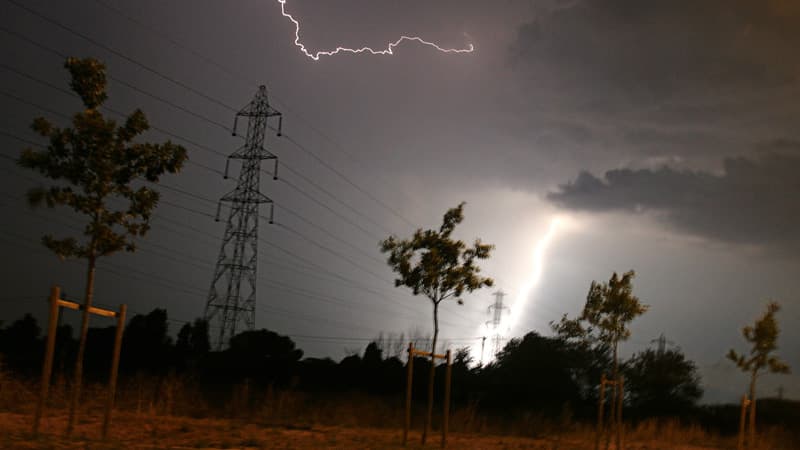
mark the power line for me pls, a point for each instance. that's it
(190, 260)
(330, 251)
(119, 54)
(211, 121)
(328, 208)
(112, 110)
(123, 272)
(208, 120)
(223, 68)
(348, 180)
(208, 168)
(313, 242)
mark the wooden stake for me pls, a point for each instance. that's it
(112, 380)
(446, 418)
(620, 398)
(47, 365)
(600, 402)
(751, 441)
(409, 380)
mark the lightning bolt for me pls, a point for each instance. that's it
(389, 50)
(538, 266)
(524, 291)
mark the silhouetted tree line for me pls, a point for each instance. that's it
(543, 374)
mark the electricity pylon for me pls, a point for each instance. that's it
(496, 310)
(229, 303)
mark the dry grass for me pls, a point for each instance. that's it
(132, 431)
(168, 414)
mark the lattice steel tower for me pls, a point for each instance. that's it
(229, 303)
(496, 310)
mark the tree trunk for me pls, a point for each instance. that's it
(78, 374)
(612, 422)
(429, 414)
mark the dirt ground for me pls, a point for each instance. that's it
(147, 432)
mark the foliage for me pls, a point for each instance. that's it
(535, 371)
(763, 336)
(193, 339)
(609, 309)
(20, 345)
(434, 264)
(147, 342)
(96, 162)
(445, 267)
(662, 383)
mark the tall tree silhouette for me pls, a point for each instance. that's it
(662, 382)
(440, 267)
(147, 344)
(97, 165)
(192, 343)
(763, 337)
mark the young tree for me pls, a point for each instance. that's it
(439, 267)
(609, 309)
(763, 336)
(97, 165)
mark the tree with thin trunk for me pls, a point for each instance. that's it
(434, 264)
(99, 170)
(763, 336)
(609, 310)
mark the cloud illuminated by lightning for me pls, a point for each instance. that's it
(523, 294)
(389, 50)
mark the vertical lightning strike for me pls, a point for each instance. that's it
(538, 265)
(523, 294)
(389, 50)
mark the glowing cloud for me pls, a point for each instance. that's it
(389, 50)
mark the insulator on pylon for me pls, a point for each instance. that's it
(280, 126)
(275, 171)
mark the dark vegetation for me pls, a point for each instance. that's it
(547, 376)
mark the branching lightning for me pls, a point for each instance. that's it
(389, 50)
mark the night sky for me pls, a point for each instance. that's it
(585, 136)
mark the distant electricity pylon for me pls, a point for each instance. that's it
(496, 310)
(662, 342)
(229, 303)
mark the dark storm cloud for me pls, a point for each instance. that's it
(655, 49)
(694, 80)
(754, 201)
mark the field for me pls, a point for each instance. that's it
(179, 419)
(132, 431)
